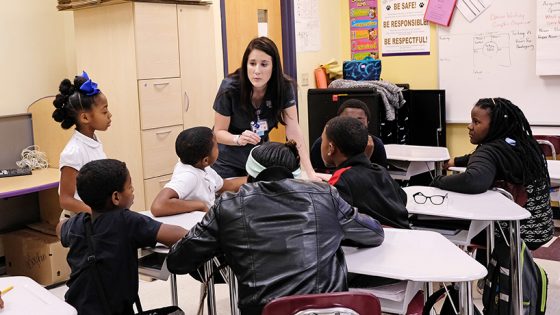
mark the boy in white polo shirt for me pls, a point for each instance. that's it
(194, 184)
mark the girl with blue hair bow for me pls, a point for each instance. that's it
(82, 104)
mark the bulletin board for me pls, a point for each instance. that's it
(495, 56)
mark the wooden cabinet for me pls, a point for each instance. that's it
(158, 150)
(153, 186)
(157, 41)
(197, 46)
(160, 103)
(156, 63)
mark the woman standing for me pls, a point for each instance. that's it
(250, 103)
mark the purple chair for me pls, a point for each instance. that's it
(549, 144)
(347, 303)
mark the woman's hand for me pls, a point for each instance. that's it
(324, 177)
(248, 137)
(312, 176)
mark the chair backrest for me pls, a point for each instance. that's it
(347, 303)
(549, 144)
(47, 133)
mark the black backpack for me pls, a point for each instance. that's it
(497, 287)
(451, 299)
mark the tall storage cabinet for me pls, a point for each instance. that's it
(158, 71)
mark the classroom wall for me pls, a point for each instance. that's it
(331, 37)
(421, 72)
(36, 52)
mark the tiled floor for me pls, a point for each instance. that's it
(157, 293)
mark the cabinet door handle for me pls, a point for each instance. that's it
(163, 182)
(163, 132)
(187, 102)
(161, 84)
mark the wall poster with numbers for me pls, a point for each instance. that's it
(363, 29)
(404, 30)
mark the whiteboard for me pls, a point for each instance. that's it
(494, 56)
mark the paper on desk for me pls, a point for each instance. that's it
(471, 9)
(393, 292)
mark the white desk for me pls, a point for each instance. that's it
(554, 171)
(414, 256)
(488, 206)
(29, 297)
(187, 221)
(554, 174)
(457, 169)
(409, 160)
(481, 209)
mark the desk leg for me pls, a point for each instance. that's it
(229, 277)
(489, 241)
(174, 296)
(232, 283)
(211, 299)
(428, 291)
(515, 270)
(465, 296)
(438, 168)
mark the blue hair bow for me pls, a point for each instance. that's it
(89, 87)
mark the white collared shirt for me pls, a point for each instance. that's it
(191, 183)
(79, 150)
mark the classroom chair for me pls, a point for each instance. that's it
(549, 144)
(351, 303)
(47, 133)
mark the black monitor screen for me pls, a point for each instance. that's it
(324, 103)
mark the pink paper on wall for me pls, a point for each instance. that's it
(440, 11)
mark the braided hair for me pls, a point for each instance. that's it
(70, 102)
(508, 121)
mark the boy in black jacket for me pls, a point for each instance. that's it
(364, 185)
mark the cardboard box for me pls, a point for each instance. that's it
(35, 255)
(49, 206)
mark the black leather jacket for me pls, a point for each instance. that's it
(280, 238)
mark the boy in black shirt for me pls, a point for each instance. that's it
(364, 185)
(117, 233)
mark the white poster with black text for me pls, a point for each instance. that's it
(403, 29)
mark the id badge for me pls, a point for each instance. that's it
(259, 127)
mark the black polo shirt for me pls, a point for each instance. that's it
(231, 160)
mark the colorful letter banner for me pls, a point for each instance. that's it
(363, 29)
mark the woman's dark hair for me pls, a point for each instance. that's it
(354, 103)
(349, 135)
(97, 180)
(277, 154)
(276, 87)
(194, 144)
(70, 102)
(508, 121)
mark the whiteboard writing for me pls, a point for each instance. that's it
(548, 37)
(307, 26)
(495, 55)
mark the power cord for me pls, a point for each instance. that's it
(33, 158)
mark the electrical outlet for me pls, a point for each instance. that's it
(304, 79)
